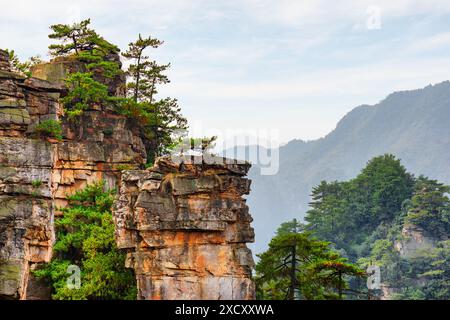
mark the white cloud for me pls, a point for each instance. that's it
(298, 65)
(320, 12)
(438, 41)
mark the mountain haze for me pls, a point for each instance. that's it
(413, 125)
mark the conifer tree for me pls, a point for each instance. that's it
(86, 87)
(297, 266)
(163, 116)
(75, 38)
(144, 73)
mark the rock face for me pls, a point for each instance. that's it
(185, 226)
(414, 241)
(36, 175)
(26, 185)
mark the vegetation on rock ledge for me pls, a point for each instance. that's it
(85, 238)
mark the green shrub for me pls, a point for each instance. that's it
(36, 183)
(122, 167)
(84, 92)
(85, 238)
(50, 128)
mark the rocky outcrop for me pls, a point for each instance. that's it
(414, 241)
(57, 70)
(26, 185)
(185, 226)
(37, 175)
(412, 244)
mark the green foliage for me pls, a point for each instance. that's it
(23, 67)
(145, 74)
(85, 237)
(50, 128)
(430, 207)
(297, 266)
(347, 213)
(364, 218)
(84, 93)
(95, 52)
(36, 183)
(122, 167)
(160, 119)
(78, 38)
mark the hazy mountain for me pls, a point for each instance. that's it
(413, 125)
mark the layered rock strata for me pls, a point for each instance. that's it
(185, 225)
(37, 175)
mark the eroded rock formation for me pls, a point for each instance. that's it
(185, 226)
(26, 207)
(36, 175)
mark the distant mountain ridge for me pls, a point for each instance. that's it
(413, 125)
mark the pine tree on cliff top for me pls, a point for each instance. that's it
(145, 74)
(85, 88)
(77, 38)
(163, 116)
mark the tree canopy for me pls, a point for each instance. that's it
(366, 219)
(85, 238)
(297, 266)
(161, 118)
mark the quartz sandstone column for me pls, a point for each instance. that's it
(26, 185)
(37, 175)
(185, 226)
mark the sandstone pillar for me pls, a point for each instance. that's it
(185, 226)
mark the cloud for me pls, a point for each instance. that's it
(331, 13)
(298, 65)
(438, 41)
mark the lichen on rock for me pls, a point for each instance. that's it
(185, 225)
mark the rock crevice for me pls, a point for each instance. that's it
(185, 225)
(37, 174)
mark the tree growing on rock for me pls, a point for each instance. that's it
(25, 66)
(96, 55)
(163, 117)
(85, 238)
(76, 38)
(144, 73)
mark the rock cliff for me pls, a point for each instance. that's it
(36, 175)
(185, 226)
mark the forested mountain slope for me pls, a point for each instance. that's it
(412, 125)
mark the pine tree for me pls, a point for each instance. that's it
(85, 238)
(299, 266)
(162, 117)
(145, 74)
(430, 207)
(75, 38)
(86, 87)
(23, 67)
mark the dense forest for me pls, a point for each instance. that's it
(385, 217)
(414, 125)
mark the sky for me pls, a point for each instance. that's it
(278, 69)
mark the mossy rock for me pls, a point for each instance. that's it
(12, 102)
(10, 276)
(14, 116)
(57, 71)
